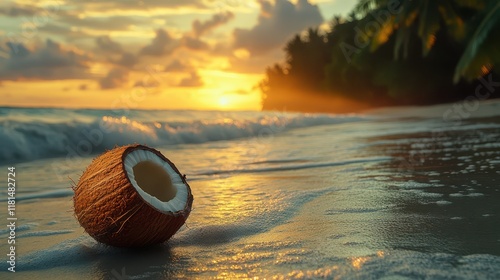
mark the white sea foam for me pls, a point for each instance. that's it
(44, 233)
(443, 202)
(48, 194)
(293, 167)
(23, 140)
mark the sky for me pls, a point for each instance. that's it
(148, 54)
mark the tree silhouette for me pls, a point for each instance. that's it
(359, 58)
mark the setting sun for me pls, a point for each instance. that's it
(223, 101)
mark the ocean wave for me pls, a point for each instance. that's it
(49, 194)
(24, 141)
(292, 167)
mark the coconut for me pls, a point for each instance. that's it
(132, 196)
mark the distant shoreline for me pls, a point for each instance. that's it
(327, 108)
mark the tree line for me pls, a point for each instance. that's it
(389, 52)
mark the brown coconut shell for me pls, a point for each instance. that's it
(110, 210)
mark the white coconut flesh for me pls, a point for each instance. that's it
(155, 181)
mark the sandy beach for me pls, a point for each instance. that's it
(365, 196)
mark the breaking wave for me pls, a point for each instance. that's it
(28, 140)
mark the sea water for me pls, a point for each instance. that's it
(401, 193)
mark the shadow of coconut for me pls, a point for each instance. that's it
(106, 262)
(153, 262)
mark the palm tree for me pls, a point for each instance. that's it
(481, 52)
(306, 56)
(425, 17)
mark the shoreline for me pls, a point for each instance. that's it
(367, 109)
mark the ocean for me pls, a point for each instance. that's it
(399, 193)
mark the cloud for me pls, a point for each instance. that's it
(162, 44)
(194, 43)
(276, 24)
(201, 28)
(242, 91)
(128, 60)
(19, 11)
(63, 31)
(107, 45)
(147, 84)
(126, 5)
(119, 23)
(176, 66)
(238, 92)
(74, 16)
(50, 61)
(192, 40)
(115, 78)
(194, 80)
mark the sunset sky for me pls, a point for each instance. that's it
(165, 54)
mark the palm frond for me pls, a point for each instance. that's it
(408, 14)
(476, 41)
(428, 25)
(454, 23)
(363, 6)
(402, 42)
(383, 34)
(403, 21)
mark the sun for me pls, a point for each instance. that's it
(223, 101)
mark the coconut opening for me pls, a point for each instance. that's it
(156, 181)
